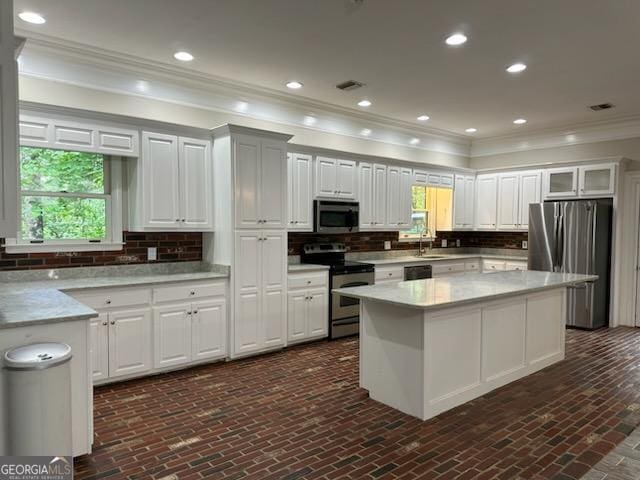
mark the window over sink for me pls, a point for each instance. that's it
(431, 210)
(65, 200)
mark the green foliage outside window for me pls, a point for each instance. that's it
(44, 172)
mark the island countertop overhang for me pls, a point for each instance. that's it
(441, 292)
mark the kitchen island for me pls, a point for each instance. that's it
(429, 345)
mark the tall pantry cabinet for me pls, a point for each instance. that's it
(250, 201)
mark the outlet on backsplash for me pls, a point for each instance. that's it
(444, 243)
(387, 245)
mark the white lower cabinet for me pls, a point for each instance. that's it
(172, 335)
(308, 307)
(140, 331)
(260, 278)
(129, 342)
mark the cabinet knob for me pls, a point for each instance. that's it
(295, 221)
(390, 273)
(104, 323)
(195, 312)
(308, 282)
(113, 322)
(192, 292)
(108, 301)
(177, 219)
(183, 220)
(311, 297)
(189, 313)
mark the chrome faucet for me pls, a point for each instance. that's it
(421, 251)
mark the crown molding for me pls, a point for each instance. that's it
(618, 128)
(51, 58)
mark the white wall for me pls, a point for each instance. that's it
(67, 95)
(629, 148)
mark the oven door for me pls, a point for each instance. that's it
(336, 217)
(346, 307)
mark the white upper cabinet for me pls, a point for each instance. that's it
(433, 179)
(516, 191)
(583, 181)
(300, 174)
(399, 181)
(171, 184)
(530, 191)
(379, 193)
(78, 135)
(508, 192)
(160, 182)
(486, 201)
(260, 182)
(561, 182)
(463, 201)
(597, 180)
(195, 183)
(8, 124)
(373, 196)
(336, 178)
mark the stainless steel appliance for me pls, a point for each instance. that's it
(417, 272)
(335, 216)
(575, 237)
(344, 312)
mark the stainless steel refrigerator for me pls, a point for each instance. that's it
(575, 237)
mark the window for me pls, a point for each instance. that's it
(65, 199)
(431, 211)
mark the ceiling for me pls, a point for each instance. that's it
(578, 52)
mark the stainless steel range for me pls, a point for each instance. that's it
(344, 312)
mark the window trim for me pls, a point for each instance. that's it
(114, 203)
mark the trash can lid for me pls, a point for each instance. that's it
(37, 356)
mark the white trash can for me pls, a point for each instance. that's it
(38, 390)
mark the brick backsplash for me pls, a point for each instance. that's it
(374, 241)
(172, 247)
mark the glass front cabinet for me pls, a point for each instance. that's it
(586, 181)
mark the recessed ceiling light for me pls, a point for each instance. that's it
(183, 56)
(456, 39)
(309, 120)
(520, 121)
(364, 103)
(414, 141)
(471, 130)
(32, 17)
(423, 118)
(366, 132)
(516, 68)
(293, 85)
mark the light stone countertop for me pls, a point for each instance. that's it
(436, 293)
(440, 258)
(306, 267)
(38, 300)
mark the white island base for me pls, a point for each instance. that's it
(423, 362)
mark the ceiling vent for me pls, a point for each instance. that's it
(601, 106)
(349, 85)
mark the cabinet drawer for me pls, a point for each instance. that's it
(308, 280)
(394, 273)
(188, 291)
(472, 266)
(100, 299)
(448, 268)
(492, 266)
(516, 266)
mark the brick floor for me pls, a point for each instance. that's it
(299, 414)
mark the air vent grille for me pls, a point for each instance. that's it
(601, 106)
(349, 85)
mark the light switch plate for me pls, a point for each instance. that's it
(444, 243)
(525, 244)
(387, 245)
(152, 254)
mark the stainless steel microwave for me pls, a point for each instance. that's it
(335, 217)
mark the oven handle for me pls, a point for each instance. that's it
(354, 284)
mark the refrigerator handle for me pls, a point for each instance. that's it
(594, 217)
